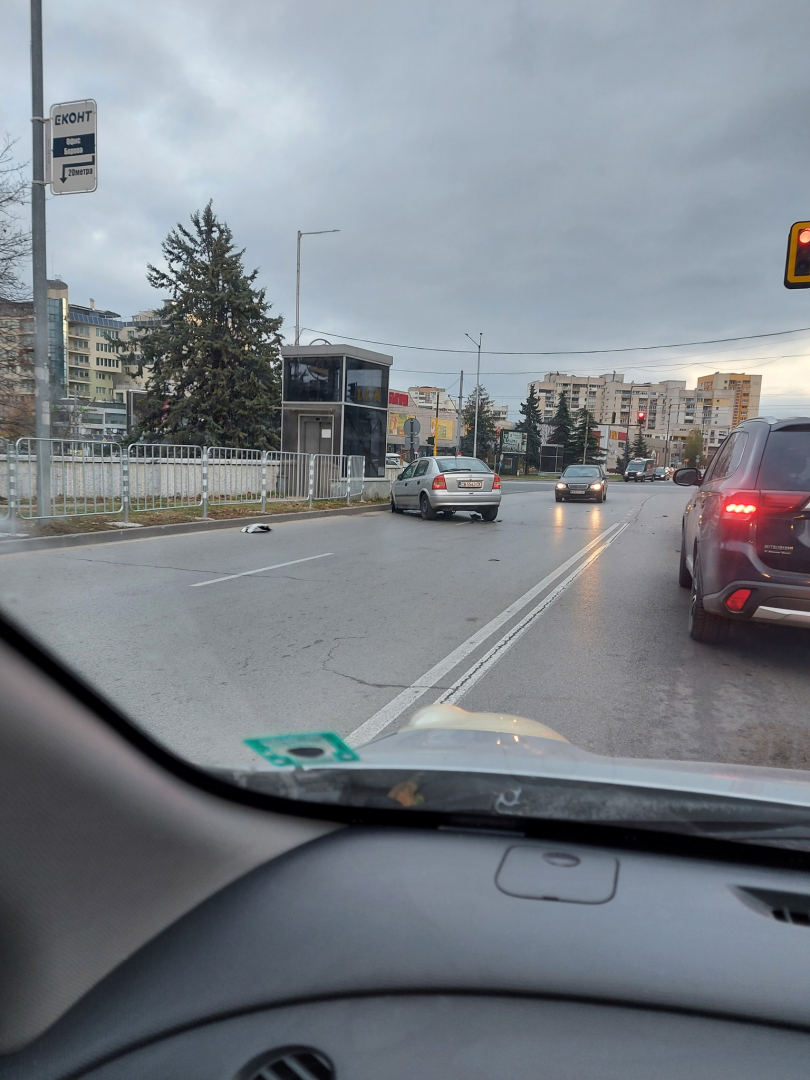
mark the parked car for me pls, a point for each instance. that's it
(393, 461)
(661, 473)
(582, 482)
(445, 485)
(745, 549)
(640, 469)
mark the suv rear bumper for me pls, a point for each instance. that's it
(768, 602)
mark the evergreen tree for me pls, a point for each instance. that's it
(585, 449)
(214, 370)
(486, 424)
(531, 425)
(639, 448)
(693, 448)
(563, 430)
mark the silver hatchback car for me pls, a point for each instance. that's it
(443, 485)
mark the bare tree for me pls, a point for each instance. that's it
(15, 240)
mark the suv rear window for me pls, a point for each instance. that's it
(786, 462)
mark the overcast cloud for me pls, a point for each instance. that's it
(577, 174)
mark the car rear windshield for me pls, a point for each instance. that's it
(591, 471)
(786, 462)
(462, 464)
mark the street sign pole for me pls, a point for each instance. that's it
(42, 382)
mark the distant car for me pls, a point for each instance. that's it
(443, 485)
(661, 473)
(640, 469)
(745, 547)
(393, 461)
(582, 482)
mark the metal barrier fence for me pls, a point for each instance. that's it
(85, 478)
(164, 476)
(89, 478)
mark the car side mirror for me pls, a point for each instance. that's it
(400, 475)
(687, 477)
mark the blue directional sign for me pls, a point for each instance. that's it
(73, 153)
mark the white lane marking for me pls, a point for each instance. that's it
(466, 681)
(407, 697)
(261, 570)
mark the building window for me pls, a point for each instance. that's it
(364, 434)
(312, 378)
(367, 384)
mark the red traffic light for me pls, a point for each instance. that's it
(797, 263)
(641, 415)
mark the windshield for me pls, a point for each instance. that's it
(287, 394)
(584, 471)
(462, 464)
(786, 461)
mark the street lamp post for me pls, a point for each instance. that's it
(42, 373)
(315, 232)
(477, 391)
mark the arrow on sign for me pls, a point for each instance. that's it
(72, 165)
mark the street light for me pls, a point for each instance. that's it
(315, 232)
(477, 391)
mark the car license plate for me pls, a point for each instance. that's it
(470, 483)
(578, 490)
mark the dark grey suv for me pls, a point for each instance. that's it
(745, 551)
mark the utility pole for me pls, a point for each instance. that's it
(460, 402)
(436, 431)
(42, 374)
(317, 232)
(477, 392)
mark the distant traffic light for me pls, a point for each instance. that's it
(642, 418)
(797, 266)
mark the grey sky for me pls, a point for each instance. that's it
(575, 174)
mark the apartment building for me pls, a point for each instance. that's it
(743, 389)
(671, 410)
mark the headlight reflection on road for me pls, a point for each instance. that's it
(559, 517)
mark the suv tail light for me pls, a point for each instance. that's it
(741, 506)
(439, 482)
(736, 602)
(496, 483)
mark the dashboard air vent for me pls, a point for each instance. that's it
(785, 907)
(289, 1063)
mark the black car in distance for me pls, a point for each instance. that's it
(745, 549)
(582, 482)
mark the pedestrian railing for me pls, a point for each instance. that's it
(58, 478)
(47, 478)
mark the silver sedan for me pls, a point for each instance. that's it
(443, 485)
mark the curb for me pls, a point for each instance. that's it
(44, 543)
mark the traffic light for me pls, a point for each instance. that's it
(642, 418)
(797, 266)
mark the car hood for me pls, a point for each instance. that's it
(483, 766)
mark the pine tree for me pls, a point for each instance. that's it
(531, 425)
(639, 448)
(486, 424)
(214, 362)
(585, 449)
(693, 448)
(562, 432)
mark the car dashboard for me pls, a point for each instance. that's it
(391, 953)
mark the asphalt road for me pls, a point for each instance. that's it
(568, 613)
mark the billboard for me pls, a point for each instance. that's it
(396, 423)
(445, 428)
(513, 442)
(398, 397)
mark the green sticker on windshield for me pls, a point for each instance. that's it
(310, 748)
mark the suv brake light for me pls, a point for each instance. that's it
(741, 505)
(496, 483)
(439, 482)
